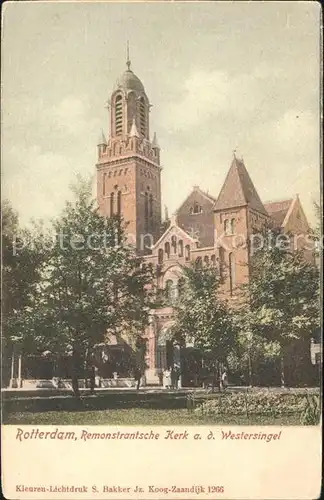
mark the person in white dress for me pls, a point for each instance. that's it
(167, 378)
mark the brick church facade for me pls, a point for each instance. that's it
(205, 229)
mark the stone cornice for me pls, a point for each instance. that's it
(127, 159)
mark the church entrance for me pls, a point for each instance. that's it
(168, 355)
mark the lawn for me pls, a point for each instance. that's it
(140, 416)
(134, 408)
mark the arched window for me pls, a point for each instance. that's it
(213, 260)
(119, 115)
(187, 252)
(174, 244)
(112, 203)
(168, 289)
(231, 265)
(180, 248)
(151, 206)
(142, 116)
(104, 184)
(232, 226)
(119, 203)
(226, 226)
(206, 260)
(167, 249)
(221, 260)
(160, 256)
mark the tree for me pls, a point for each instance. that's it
(23, 257)
(283, 296)
(202, 316)
(93, 284)
(316, 232)
(251, 350)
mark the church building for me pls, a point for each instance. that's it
(205, 229)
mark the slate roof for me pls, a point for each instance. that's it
(238, 190)
(129, 81)
(278, 209)
(211, 198)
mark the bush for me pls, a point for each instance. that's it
(264, 403)
(312, 410)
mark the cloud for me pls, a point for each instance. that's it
(294, 136)
(216, 113)
(40, 187)
(210, 94)
(70, 114)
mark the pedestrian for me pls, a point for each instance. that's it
(92, 379)
(176, 377)
(167, 378)
(137, 376)
(173, 378)
(224, 380)
(160, 376)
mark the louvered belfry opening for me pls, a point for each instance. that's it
(119, 115)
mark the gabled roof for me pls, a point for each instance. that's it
(278, 209)
(277, 206)
(205, 194)
(296, 206)
(172, 226)
(238, 190)
(201, 192)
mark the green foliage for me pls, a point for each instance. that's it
(93, 282)
(284, 305)
(24, 257)
(250, 348)
(202, 315)
(265, 403)
(87, 283)
(284, 294)
(312, 410)
(316, 232)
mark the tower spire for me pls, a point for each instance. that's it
(128, 63)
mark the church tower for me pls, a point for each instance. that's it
(128, 166)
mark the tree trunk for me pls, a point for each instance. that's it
(92, 379)
(13, 381)
(86, 368)
(19, 371)
(250, 370)
(75, 372)
(12, 365)
(282, 370)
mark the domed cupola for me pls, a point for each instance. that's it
(129, 104)
(129, 81)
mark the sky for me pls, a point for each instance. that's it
(220, 76)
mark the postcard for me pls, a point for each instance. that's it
(161, 250)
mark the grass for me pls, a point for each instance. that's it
(125, 408)
(140, 416)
